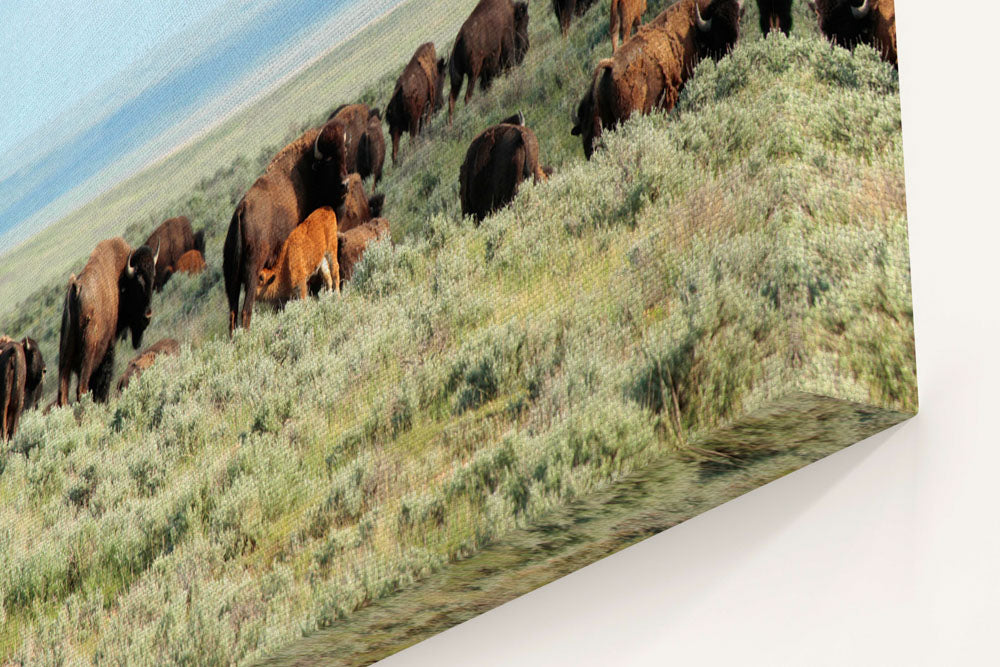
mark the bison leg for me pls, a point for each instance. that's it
(101, 379)
(615, 28)
(395, 132)
(324, 269)
(456, 88)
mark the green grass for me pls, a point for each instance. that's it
(472, 380)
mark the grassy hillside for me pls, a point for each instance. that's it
(470, 379)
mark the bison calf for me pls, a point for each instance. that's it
(626, 17)
(166, 347)
(497, 161)
(419, 92)
(311, 249)
(352, 244)
(192, 262)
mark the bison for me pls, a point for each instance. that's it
(775, 15)
(497, 161)
(276, 203)
(166, 347)
(109, 298)
(192, 263)
(351, 141)
(174, 238)
(492, 40)
(351, 245)
(35, 378)
(848, 23)
(13, 372)
(626, 17)
(650, 69)
(418, 94)
(356, 207)
(311, 249)
(565, 10)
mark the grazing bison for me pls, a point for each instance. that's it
(626, 17)
(357, 207)
(650, 69)
(497, 161)
(492, 40)
(351, 245)
(311, 249)
(174, 238)
(565, 10)
(848, 23)
(418, 94)
(166, 347)
(35, 378)
(276, 203)
(192, 263)
(13, 372)
(109, 298)
(351, 141)
(775, 15)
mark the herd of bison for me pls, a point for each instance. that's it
(305, 223)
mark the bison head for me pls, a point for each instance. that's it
(330, 162)
(718, 26)
(586, 120)
(845, 22)
(520, 32)
(136, 287)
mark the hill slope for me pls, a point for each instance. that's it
(472, 379)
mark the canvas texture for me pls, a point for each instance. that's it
(463, 359)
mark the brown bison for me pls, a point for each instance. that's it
(357, 207)
(13, 377)
(166, 347)
(650, 70)
(311, 249)
(492, 40)
(626, 17)
(565, 10)
(192, 263)
(497, 161)
(775, 15)
(351, 141)
(174, 238)
(35, 378)
(351, 245)
(109, 298)
(418, 94)
(848, 23)
(276, 203)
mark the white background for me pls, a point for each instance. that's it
(887, 553)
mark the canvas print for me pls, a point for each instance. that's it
(328, 326)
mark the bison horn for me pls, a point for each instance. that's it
(129, 269)
(862, 11)
(316, 154)
(703, 25)
(156, 255)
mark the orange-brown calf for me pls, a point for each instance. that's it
(311, 248)
(191, 262)
(626, 17)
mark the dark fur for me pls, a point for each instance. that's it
(350, 142)
(168, 347)
(35, 379)
(877, 29)
(275, 204)
(173, 238)
(565, 10)
(13, 371)
(497, 162)
(492, 40)
(650, 70)
(103, 304)
(418, 94)
(357, 207)
(775, 15)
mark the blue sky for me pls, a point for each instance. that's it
(88, 85)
